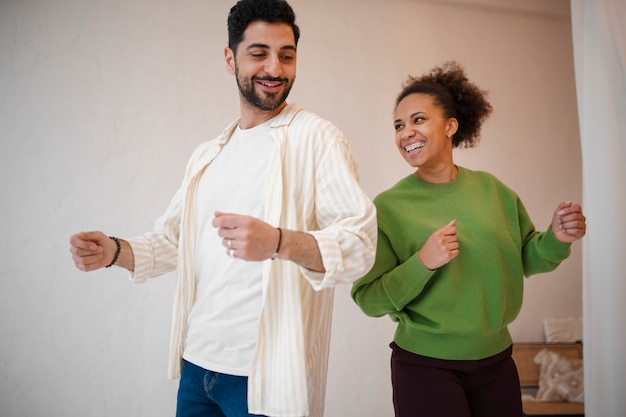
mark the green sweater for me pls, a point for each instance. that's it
(461, 310)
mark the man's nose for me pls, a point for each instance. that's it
(273, 66)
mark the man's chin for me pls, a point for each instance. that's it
(268, 105)
(271, 101)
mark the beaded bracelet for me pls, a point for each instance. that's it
(117, 251)
(280, 237)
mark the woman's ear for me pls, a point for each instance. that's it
(452, 126)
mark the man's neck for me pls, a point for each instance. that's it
(252, 116)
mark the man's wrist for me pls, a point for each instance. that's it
(280, 238)
(118, 249)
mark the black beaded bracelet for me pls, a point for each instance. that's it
(280, 237)
(117, 251)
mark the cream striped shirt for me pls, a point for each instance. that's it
(312, 186)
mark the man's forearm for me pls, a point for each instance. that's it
(301, 248)
(126, 258)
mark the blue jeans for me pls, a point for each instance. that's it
(203, 393)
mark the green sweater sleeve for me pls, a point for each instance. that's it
(541, 251)
(386, 289)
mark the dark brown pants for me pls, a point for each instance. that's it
(428, 387)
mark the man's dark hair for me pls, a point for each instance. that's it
(247, 11)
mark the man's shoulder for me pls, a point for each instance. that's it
(207, 150)
(295, 117)
(206, 147)
(214, 144)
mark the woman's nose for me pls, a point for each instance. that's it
(407, 133)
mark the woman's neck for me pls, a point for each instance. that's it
(437, 175)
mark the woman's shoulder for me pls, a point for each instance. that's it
(485, 178)
(479, 175)
(399, 188)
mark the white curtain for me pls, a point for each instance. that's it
(599, 35)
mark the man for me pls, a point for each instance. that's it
(268, 219)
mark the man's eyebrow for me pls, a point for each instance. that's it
(264, 46)
(258, 45)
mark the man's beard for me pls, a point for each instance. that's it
(266, 102)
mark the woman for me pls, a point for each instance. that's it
(453, 248)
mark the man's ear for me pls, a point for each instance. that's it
(229, 57)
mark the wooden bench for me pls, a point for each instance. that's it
(524, 355)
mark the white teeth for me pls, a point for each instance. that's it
(414, 146)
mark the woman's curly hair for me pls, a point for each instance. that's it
(457, 96)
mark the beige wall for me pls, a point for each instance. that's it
(102, 102)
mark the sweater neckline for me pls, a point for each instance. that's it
(445, 187)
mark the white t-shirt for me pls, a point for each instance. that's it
(222, 326)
